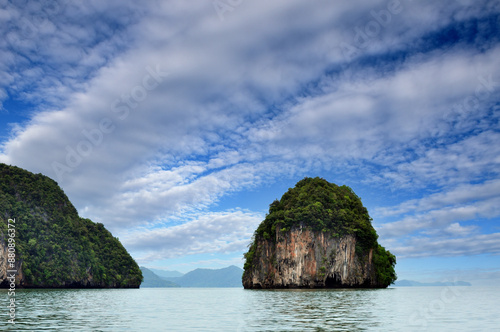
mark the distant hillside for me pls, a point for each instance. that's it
(226, 277)
(411, 283)
(167, 274)
(152, 280)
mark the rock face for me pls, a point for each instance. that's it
(302, 258)
(4, 262)
(53, 246)
(323, 250)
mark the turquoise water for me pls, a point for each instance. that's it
(234, 309)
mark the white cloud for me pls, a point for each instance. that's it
(221, 232)
(448, 247)
(263, 93)
(442, 217)
(469, 160)
(52, 48)
(461, 194)
(446, 220)
(456, 230)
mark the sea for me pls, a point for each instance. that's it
(235, 309)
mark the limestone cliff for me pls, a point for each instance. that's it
(305, 258)
(317, 236)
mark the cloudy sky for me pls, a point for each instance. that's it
(177, 123)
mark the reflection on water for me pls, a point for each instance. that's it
(315, 310)
(67, 310)
(234, 309)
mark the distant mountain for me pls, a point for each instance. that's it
(411, 283)
(226, 277)
(167, 274)
(152, 280)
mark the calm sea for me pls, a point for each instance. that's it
(234, 309)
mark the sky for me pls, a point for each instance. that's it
(176, 123)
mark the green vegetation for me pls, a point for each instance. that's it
(249, 256)
(55, 246)
(322, 206)
(384, 262)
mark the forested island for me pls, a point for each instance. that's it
(318, 235)
(54, 246)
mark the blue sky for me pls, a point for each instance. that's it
(177, 123)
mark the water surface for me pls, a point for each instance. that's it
(235, 309)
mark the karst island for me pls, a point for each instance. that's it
(44, 243)
(318, 235)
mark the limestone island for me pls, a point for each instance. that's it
(45, 244)
(318, 235)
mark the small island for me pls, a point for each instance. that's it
(318, 235)
(47, 244)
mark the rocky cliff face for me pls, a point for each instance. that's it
(302, 258)
(4, 265)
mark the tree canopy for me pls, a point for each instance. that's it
(322, 206)
(55, 246)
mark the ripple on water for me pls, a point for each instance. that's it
(233, 309)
